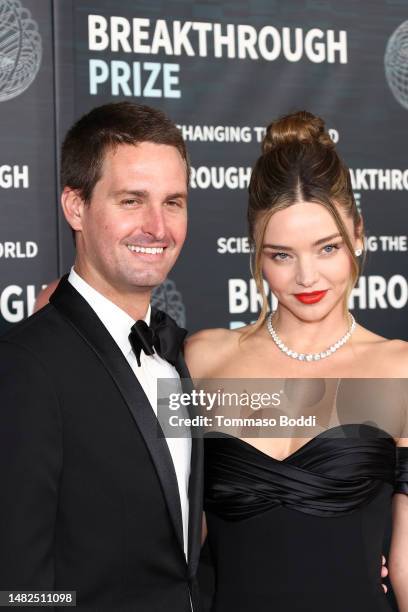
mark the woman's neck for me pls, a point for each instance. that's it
(310, 336)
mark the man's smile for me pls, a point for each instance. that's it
(143, 249)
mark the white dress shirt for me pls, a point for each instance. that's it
(119, 323)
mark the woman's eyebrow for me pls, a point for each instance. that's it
(288, 248)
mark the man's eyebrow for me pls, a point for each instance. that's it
(288, 248)
(178, 194)
(141, 193)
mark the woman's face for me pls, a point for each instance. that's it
(305, 260)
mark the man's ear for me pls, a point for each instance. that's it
(73, 206)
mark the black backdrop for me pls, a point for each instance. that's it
(222, 71)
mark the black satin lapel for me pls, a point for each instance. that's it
(195, 494)
(195, 490)
(182, 368)
(80, 315)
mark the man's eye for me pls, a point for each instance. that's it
(129, 202)
(173, 203)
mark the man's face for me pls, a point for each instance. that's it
(132, 231)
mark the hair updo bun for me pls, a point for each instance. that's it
(300, 127)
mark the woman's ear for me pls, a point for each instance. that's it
(359, 234)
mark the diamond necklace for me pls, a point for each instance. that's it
(309, 356)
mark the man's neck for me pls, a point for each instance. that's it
(134, 303)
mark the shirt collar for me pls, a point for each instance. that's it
(116, 320)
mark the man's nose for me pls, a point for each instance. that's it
(154, 222)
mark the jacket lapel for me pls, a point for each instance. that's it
(195, 489)
(75, 309)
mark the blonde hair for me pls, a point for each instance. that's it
(298, 163)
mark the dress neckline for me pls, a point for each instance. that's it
(322, 435)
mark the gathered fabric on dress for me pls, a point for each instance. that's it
(304, 533)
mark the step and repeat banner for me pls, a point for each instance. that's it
(222, 71)
(28, 173)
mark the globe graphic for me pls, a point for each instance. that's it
(396, 64)
(20, 49)
(166, 297)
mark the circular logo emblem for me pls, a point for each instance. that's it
(396, 64)
(20, 49)
(166, 297)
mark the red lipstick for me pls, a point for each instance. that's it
(310, 298)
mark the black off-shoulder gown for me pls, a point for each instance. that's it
(304, 534)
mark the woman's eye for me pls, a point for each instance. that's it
(330, 248)
(280, 256)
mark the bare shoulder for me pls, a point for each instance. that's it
(398, 357)
(210, 336)
(206, 349)
(209, 340)
(382, 357)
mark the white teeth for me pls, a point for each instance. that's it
(150, 250)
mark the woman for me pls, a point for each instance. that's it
(296, 524)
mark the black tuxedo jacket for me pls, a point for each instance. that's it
(89, 496)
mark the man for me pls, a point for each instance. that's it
(93, 499)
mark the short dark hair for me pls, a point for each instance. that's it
(106, 127)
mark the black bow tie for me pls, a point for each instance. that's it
(163, 335)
